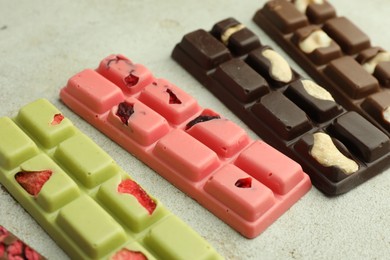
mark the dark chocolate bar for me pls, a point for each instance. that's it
(335, 53)
(338, 148)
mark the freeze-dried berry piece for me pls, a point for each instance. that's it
(15, 249)
(173, 98)
(244, 183)
(31, 254)
(126, 254)
(130, 187)
(33, 181)
(3, 233)
(131, 80)
(57, 119)
(2, 249)
(125, 110)
(117, 59)
(201, 118)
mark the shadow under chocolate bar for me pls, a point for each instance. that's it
(339, 149)
(335, 53)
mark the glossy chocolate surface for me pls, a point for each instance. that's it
(287, 111)
(345, 75)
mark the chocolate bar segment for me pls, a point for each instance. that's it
(357, 82)
(319, 12)
(347, 35)
(81, 197)
(298, 116)
(282, 115)
(241, 80)
(207, 51)
(236, 36)
(313, 41)
(352, 76)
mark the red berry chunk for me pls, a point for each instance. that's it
(244, 183)
(131, 80)
(125, 110)
(57, 119)
(130, 187)
(126, 254)
(199, 119)
(33, 181)
(173, 98)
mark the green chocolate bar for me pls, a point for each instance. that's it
(82, 198)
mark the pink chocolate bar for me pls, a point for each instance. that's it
(246, 183)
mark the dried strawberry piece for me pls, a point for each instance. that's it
(126, 254)
(173, 98)
(244, 183)
(117, 59)
(131, 80)
(31, 254)
(33, 181)
(3, 233)
(125, 110)
(2, 249)
(57, 119)
(16, 248)
(200, 119)
(130, 187)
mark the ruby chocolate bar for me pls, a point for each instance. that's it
(246, 183)
(339, 149)
(11, 247)
(334, 52)
(82, 198)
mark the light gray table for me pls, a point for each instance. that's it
(45, 42)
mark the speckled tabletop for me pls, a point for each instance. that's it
(44, 42)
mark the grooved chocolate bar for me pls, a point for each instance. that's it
(339, 149)
(334, 52)
(246, 183)
(82, 198)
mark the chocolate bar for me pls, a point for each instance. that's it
(11, 247)
(246, 183)
(338, 148)
(82, 198)
(334, 52)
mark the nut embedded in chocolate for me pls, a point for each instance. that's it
(317, 39)
(279, 70)
(302, 5)
(316, 91)
(327, 154)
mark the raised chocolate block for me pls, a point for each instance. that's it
(355, 75)
(338, 148)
